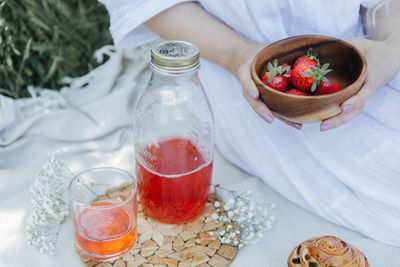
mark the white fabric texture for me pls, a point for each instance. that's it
(350, 175)
(103, 137)
(293, 226)
(109, 100)
(126, 27)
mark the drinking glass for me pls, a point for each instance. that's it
(104, 212)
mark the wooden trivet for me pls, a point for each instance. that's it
(185, 245)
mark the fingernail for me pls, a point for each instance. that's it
(327, 126)
(267, 117)
(252, 94)
(347, 108)
(296, 125)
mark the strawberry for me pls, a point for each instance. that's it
(306, 77)
(295, 92)
(309, 59)
(327, 87)
(277, 77)
(289, 71)
(279, 83)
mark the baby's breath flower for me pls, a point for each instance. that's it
(50, 207)
(253, 219)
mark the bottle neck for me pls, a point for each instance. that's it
(175, 74)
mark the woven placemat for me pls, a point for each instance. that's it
(189, 244)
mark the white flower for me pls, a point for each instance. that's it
(253, 219)
(49, 204)
(251, 235)
(216, 204)
(251, 206)
(215, 216)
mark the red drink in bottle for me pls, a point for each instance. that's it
(174, 180)
(174, 136)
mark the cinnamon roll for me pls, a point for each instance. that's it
(326, 251)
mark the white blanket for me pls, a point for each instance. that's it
(82, 144)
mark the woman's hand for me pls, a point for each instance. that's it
(250, 91)
(382, 65)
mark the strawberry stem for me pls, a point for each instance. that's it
(318, 73)
(274, 70)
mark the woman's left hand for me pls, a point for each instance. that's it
(382, 65)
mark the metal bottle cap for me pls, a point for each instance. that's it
(175, 55)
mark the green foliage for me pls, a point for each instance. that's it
(43, 41)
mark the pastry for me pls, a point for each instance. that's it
(326, 251)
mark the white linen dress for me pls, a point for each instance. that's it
(349, 175)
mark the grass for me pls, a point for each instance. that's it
(43, 41)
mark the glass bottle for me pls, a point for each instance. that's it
(174, 136)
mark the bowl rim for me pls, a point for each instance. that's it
(257, 79)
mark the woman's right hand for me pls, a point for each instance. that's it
(250, 91)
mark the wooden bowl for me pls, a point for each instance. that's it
(349, 68)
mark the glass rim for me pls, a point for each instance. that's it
(122, 203)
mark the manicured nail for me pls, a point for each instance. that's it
(267, 117)
(326, 127)
(347, 108)
(296, 125)
(252, 94)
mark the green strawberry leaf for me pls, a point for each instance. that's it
(270, 79)
(312, 56)
(314, 86)
(270, 67)
(307, 74)
(275, 70)
(276, 63)
(325, 66)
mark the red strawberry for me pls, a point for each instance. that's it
(279, 83)
(309, 59)
(306, 77)
(327, 87)
(289, 71)
(277, 77)
(295, 92)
